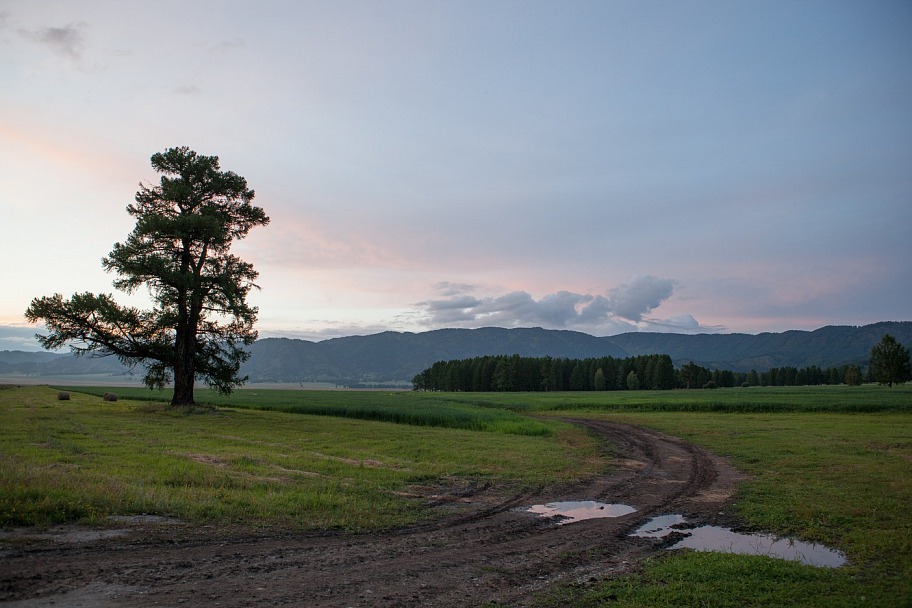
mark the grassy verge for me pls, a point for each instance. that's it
(715, 580)
(85, 459)
(844, 480)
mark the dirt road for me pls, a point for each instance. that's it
(488, 550)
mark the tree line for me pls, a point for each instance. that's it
(790, 376)
(505, 373)
(516, 373)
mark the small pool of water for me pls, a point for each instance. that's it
(577, 510)
(714, 538)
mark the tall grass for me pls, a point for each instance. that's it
(847, 399)
(400, 407)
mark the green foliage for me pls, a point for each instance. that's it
(600, 383)
(853, 375)
(889, 362)
(515, 373)
(180, 250)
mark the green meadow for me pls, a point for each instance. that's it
(85, 459)
(825, 464)
(843, 480)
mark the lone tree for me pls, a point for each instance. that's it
(180, 250)
(889, 362)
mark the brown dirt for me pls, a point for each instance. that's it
(486, 549)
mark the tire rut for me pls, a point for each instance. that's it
(499, 553)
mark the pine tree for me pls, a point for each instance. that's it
(889, 362)
(180, 250)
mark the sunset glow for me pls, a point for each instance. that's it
(601, 167)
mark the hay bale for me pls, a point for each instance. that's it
(109, 397)
(63, 396)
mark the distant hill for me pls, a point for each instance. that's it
(394, 356)
(829, 346)
(397, 356)
(16, 362)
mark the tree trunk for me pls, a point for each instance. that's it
(183, 387)
(185, 341)
(184, 372)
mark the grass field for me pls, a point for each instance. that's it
(827, 464)
(85, 459)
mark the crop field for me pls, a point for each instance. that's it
(825, 464)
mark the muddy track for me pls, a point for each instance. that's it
(488, 550)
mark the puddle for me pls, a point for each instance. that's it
(714, 538)
(577, 510)
(660, 527)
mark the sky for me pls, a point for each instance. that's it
(605, 167)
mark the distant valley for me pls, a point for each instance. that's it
(395, 357)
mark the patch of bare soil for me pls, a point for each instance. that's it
(485, 550)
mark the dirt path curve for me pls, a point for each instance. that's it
(496, 554)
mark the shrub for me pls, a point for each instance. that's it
(109, 397)
(63, 396)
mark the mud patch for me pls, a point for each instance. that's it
(81, 534)
(91, 596)
(144, 520)
(62, 534)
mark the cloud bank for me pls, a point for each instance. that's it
(20, 338)
(621, 308)
(67, 40)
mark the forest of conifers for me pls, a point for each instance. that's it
(515, 373)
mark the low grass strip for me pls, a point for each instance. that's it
(399, 407)
(868, 398)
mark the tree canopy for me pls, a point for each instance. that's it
(180, 250)
(642, 372)
(889, 362)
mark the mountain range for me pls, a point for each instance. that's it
(395, 357)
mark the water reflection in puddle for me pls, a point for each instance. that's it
(714, 538)
(578, 510)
